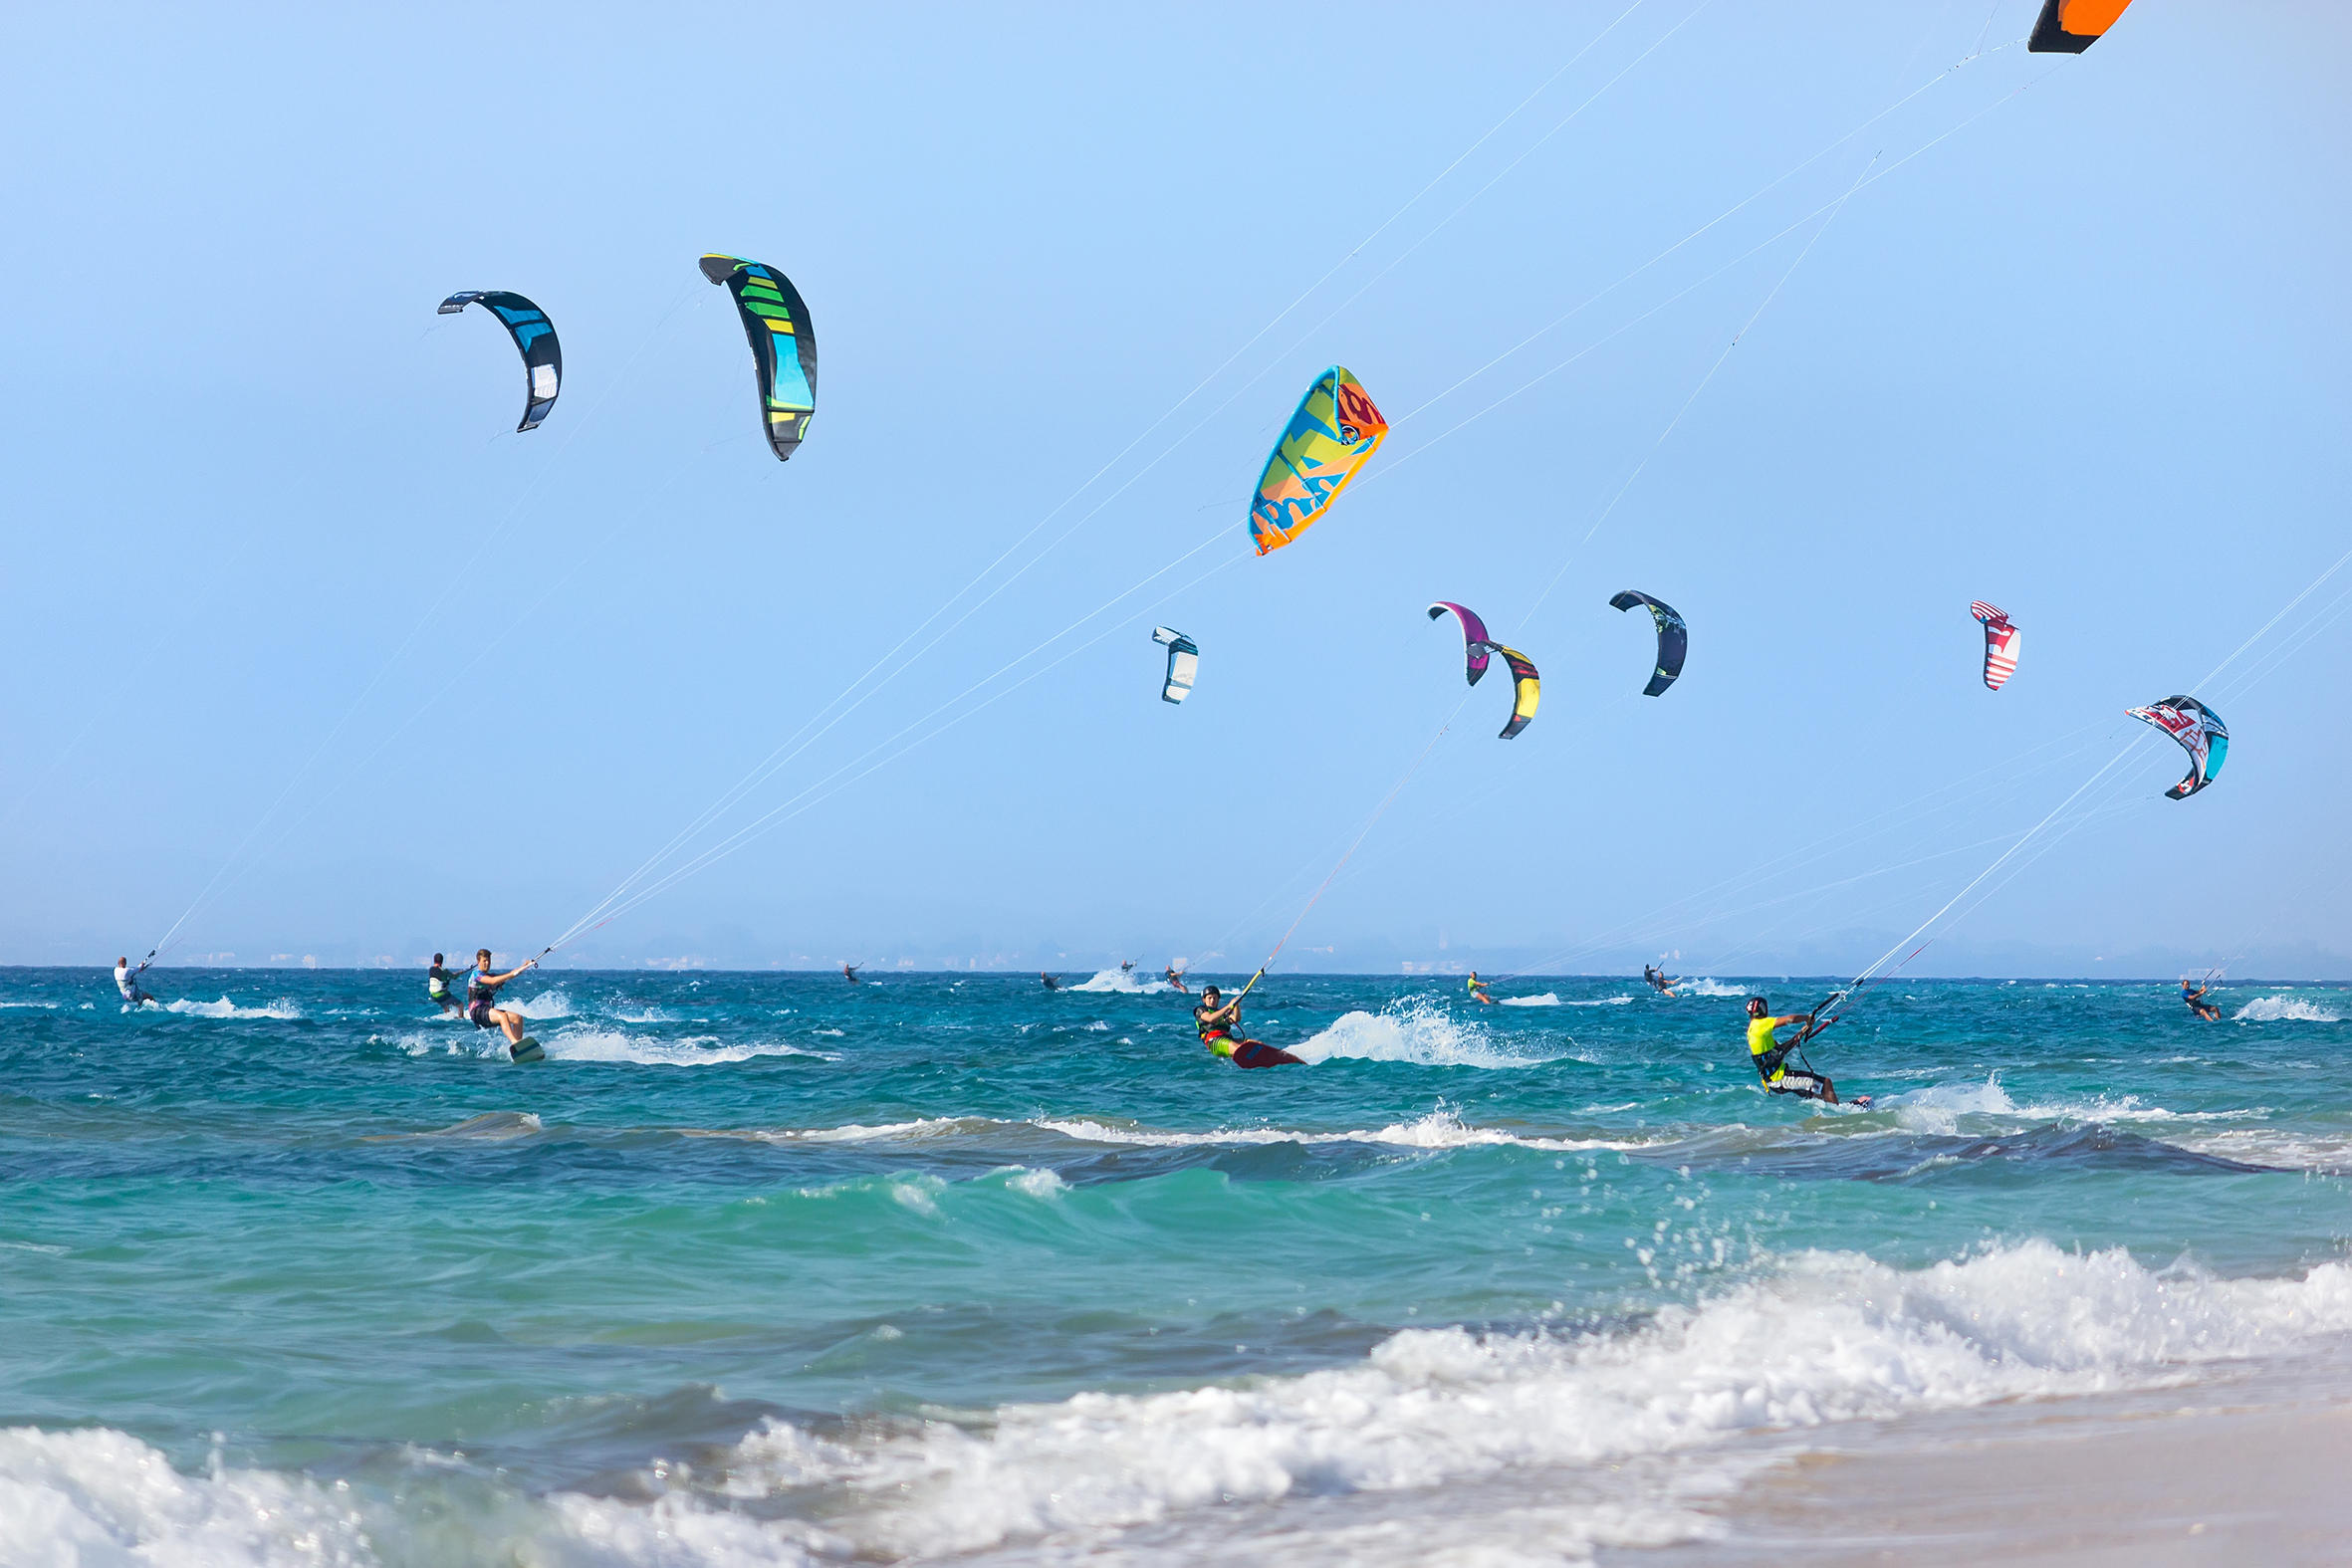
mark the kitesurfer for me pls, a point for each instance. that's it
(127, 981)
(849, 971)
(436, 987)
(1126, 966)
(1478, 990)
(481, 995)
(1659, 981)
(1050, 982)
(1175, 977)
(1770, 1055)
(1219, 1021)
(2194, 995)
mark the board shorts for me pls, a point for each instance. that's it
(480, 1014)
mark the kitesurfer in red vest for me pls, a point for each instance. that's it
(1220, 1024)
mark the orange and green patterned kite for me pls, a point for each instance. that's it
(1334, 430)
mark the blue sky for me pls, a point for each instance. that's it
(304, 635)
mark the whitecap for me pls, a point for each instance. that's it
(1123, 982)
(2281, 1010)
(1830, 1337)
(1706, 986)
(588, 1043)
(1440, 1129)
(283, 1007)
(1415, 1031)
(553, 1004)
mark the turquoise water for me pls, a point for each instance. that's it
(770, 1268)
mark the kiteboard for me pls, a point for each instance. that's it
(526, 1049)
(1257, 1053)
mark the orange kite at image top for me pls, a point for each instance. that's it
(2068, 27)
(1334, 430)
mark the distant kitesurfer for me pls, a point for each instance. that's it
(1175, 977)
(1126, 966)
(2193, 997)
(1769, 1055)
(1050, 982)
(849, 971)
(1220, 1022)
(436, 987)
(481, 992)
(1658, 979)
(1478, 990)
(127, 981)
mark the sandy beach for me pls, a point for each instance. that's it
(2246, 1470)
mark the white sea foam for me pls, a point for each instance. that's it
(587, 1042)
(96, 1496)
(2280, 1009)
(1834, 1337)
(1938, 1108)
(1705, 986)
(926, 1127)
(1547, 999)
(1416, 1031)
(1442, 1129)
(554, 1004)
(1037, 1183)
(1828, 1338)
(1122, 982)
(283, 1007)
(27, 1003)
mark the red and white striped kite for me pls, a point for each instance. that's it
(2002, 642)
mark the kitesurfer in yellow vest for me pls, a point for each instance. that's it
(1770, 1056)
(1220, 1025)
(1478, 990)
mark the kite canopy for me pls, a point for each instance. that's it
(1335, 429)
(534, 337)
(1526, 689)
(2002, 643)
(1184, 662)
(784, 346)
(2068, 27)
(1475, 644)
(1674, 639)
(2201, 732)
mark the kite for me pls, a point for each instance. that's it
(2002, 643)
(1474, 642)
(1335, 429)
(1528, 686)
(1184, 662)
(2068, 27)
(784, 346)
(2201, 732)
(1674, 639)
(534, 337)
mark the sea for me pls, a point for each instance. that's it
(772, 1268)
